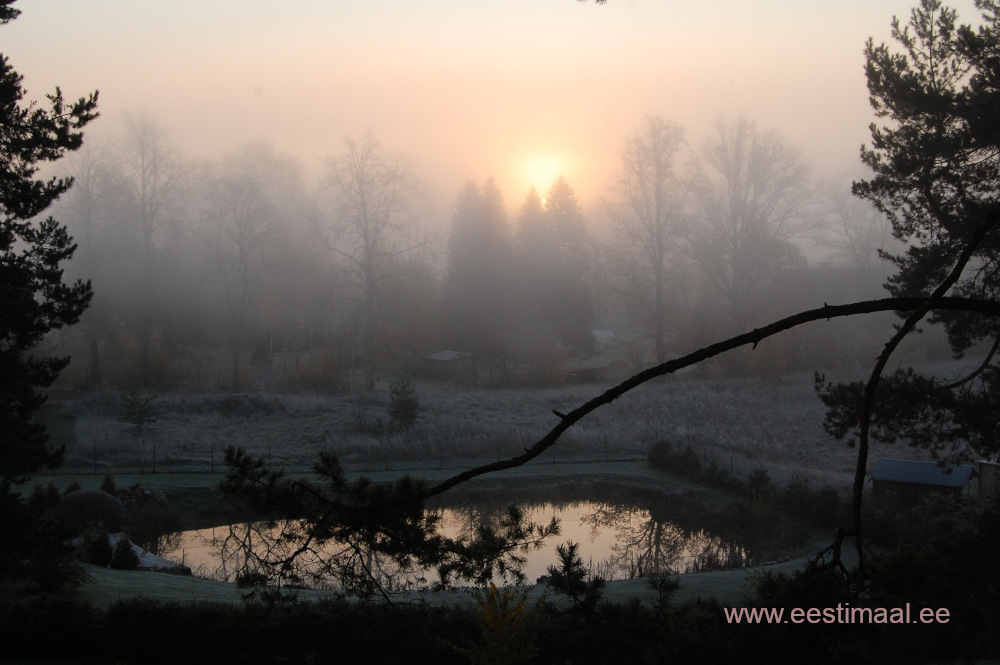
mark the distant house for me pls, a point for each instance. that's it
(898, 483)
(454, 365)
(604, 340)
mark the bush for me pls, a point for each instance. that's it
(821, 506)
(665, 455)
(759, 485)
(91, 507)
(149, 516)
(43, 497)
(124, 557)
(74, 486)
(96, 547)
(404, 405)
(108, 483)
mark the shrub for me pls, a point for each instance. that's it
(137, 410)
(86, 507)
(759, 485)
(96, 547)
(821, 506)
(74, 486)
(108, 483)
(43, 497)
(149, 516)
(509, 626)
(404, 404)
(665, 455)
(124, 557)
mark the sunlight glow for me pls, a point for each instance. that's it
(542, 171)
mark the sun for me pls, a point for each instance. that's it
(541, 171)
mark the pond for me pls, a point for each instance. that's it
(615, 541)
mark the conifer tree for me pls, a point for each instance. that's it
(404, 403)
(34, 300)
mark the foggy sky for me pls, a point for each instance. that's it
(470, 89)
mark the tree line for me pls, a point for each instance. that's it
(234, 274)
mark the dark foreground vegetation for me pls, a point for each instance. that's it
(950, 563)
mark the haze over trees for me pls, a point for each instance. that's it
(648, 202)
(752, 204)
(340, 285)
(150, 175)
(369, 187)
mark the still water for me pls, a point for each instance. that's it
(615, 541)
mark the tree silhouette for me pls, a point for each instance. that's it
(34, 300)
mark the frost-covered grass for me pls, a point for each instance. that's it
(745, 423)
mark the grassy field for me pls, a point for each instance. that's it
(742, 423)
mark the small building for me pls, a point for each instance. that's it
(454, 365)
(604, 340)
(898, 483)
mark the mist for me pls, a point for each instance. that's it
(509, 229)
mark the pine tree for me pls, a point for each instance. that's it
(34, 300)
(479, 280)
(124, 557)
(108, 483)
(555, 256)
(937, 178)
(404, 404)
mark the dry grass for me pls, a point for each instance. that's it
(745, 423)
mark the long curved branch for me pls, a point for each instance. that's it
(754, 337)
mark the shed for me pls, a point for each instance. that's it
(898, 483)
(455, 365)
(603, 340)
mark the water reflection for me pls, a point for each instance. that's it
(646, 543)
(617, 541)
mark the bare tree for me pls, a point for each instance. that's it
(86, 209)
(151, 174)
(647, 202)
(239, 194)
(370, 188)
(856, 230)
(752, 205)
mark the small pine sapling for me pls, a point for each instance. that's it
(108, 483)
(124, 557)
(404, 404)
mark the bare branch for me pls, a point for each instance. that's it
(985, 307)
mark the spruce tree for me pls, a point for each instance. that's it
(124, 557)
(404, 404)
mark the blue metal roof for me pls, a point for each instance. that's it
(922, 473)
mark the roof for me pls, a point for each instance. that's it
(602, 334)
(922, 473)
(447, 356)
